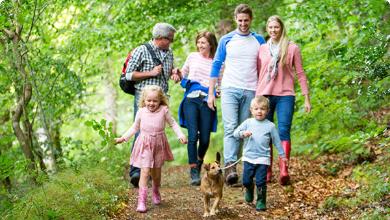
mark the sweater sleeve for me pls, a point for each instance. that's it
(219, 57)
(186, 67)
(297, 59)
(240, 129)
(276, 141)
(173, 124)
(133, 129)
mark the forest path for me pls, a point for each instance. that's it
(311, 185)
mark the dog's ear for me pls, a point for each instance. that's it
(207, 166)
(218, 157)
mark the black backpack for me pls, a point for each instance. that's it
(128, 86)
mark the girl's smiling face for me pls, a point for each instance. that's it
(152, 101)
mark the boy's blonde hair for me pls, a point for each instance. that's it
(260, 101)
(153, 88)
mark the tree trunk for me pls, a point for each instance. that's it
(110, 96)
(23, 98)
(47, 156)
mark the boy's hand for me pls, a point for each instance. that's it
(119, 140)
(246, 134)
(183, 140)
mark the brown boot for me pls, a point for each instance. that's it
(231, 176)
(284, 177)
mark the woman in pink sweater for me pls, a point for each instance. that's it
(278, 59)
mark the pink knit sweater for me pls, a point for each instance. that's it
(283, 84)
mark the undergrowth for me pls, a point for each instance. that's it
(84, 194)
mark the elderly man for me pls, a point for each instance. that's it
(141, 68)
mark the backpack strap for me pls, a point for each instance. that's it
(156, 60)
(153, 54)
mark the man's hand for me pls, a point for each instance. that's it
(156, 70)
(211, 102)
(176, 75)
(246, 134)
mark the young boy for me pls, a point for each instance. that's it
(256, 153)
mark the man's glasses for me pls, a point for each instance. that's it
(169, 38)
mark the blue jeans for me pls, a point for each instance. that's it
(254, 170)
(284, 107)
(137, 96)
(235, 105)
(199, 118)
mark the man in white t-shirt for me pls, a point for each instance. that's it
(238, 52)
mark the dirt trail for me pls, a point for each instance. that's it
(303, 199)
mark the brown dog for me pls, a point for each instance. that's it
(212, 186)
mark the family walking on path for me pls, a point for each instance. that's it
(256, 78)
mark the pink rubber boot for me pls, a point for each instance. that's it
(284, 177)
(156, 197)
(142, 196)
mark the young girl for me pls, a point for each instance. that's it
(151, 148)
(256, 152)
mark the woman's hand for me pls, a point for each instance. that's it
(176, 75)
(307, 103)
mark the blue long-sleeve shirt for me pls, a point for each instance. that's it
(257, 145)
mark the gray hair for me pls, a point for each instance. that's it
(161, 30)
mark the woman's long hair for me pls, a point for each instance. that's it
(283, 41)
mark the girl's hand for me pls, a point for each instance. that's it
(246, 134)
(183, 140)
(119, 140)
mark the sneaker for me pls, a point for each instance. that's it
(231, 176)
(134, 180)
(195, 176)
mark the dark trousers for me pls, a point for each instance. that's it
(254, 170)
(284, 108)
(135, 170)
(199, 118)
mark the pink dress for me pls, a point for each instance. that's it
(151, 148)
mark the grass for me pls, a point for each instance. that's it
(86, 194)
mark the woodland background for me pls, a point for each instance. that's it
(61, 106)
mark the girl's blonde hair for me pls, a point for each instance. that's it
(260, 101)
(153, 88)
(283, 41)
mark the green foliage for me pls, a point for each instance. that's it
(88, 194)
(344, 46)
(105, 132)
